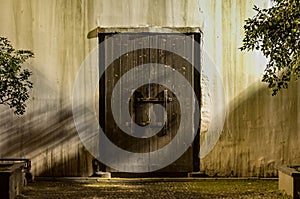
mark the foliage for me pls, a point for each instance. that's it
(14, 82)
(276, 33)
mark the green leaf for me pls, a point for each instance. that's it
(14, 81)
(276, 32)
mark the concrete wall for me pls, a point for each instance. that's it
(56, 32)
(260, 131)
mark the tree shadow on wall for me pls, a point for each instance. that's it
(260, 132)
(46, 134)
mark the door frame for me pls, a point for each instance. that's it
(197, 80)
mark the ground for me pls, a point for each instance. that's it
(153, 188)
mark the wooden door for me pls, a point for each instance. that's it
(145, 97)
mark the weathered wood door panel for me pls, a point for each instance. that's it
(144, 101)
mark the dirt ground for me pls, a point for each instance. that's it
(153, 188)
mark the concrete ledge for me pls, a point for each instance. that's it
(199, 174)
(289, 181)
(190, 179)
(11, 180)
(101, 174)
(289, 170)
(142, 29)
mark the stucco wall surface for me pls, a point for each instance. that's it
(259, 131)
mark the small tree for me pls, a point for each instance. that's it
(276, 33)
(14, 82)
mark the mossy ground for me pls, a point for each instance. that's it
(139, 188)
